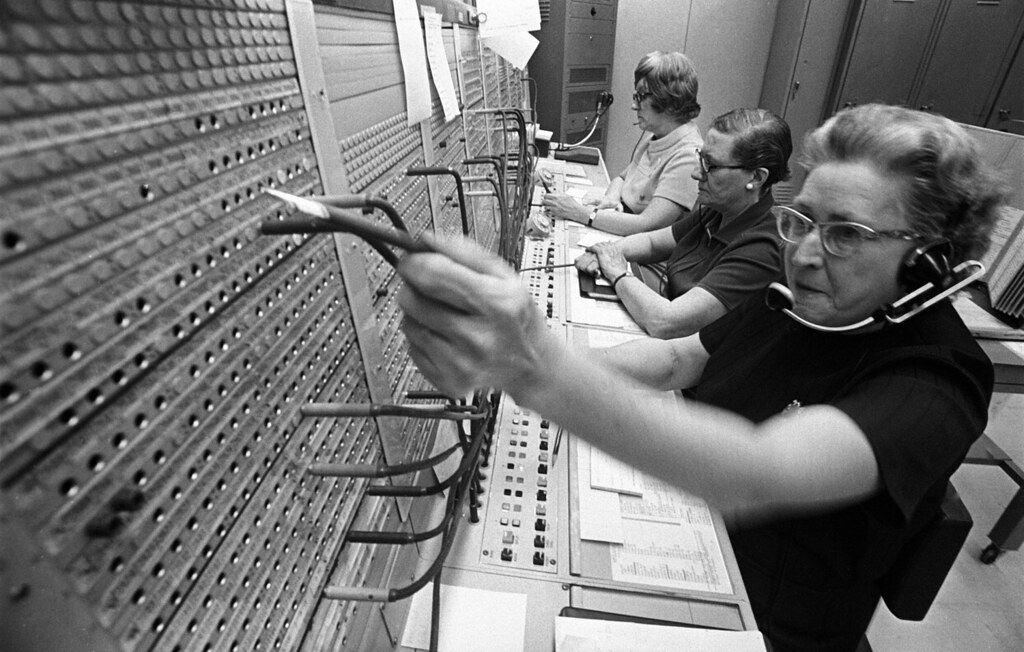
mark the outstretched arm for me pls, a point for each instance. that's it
(659, 213)
(471, 324)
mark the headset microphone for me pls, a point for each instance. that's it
(779, 297)
(927, 265)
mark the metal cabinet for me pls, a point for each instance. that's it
(972, 55)
(952, 57)
(577, 41)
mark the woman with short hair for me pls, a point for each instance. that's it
(655, 189)
(725, 249)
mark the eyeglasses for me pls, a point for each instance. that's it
(707, 168)
(840, 239)
(640, 97)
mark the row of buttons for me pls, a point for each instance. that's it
(519, 438)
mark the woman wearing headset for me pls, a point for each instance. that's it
(825, 450)
(655, 189)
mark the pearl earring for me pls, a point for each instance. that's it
(750, 186)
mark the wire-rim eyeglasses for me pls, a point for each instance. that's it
(841, 239)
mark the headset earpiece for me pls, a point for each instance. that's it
(929, 263)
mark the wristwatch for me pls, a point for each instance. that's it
(590, 220)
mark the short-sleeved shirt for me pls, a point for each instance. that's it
(729, 260)
(661, 167)
(919, 391)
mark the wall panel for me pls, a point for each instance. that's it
(157, 348)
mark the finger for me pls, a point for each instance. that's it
(436, 315)
(428, 354)
(471, 255)
(454, 276)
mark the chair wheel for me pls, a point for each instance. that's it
(990, 553)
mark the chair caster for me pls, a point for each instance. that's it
(990, 554)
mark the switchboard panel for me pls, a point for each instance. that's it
(158, 348)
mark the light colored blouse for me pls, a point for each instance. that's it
(661, 167)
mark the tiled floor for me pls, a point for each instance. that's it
(980, 607)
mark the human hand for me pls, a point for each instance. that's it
(588, 264)
(611, 261)
(561, 205)
(470, 322)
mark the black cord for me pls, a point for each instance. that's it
(598, 113)
(435, 613)
(381, 470)
(341, 221)
(363, 201)
(532, 84)
(448, 539)
(482, 425)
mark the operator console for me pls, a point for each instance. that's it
(521, 517)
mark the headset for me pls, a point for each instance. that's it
(926, 267)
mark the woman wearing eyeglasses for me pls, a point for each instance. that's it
(825, 439)
(725, 249)
(655, 189)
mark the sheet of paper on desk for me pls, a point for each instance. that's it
(600, 518)
(471, 620)
(577, 193)
(611, 474)
(592, 237)
(552, 164)
(609, 314)
(575, 170)
(676, 555)
(592, 635)
(578, 181)
(663, 502)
